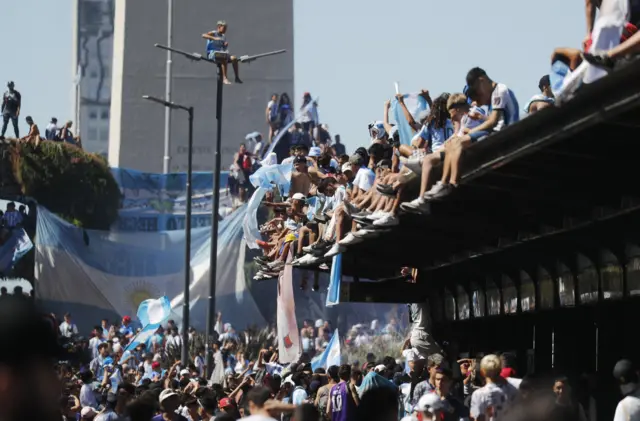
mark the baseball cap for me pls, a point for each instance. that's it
(298, 196)
(356, 159)
(430, 402)
(315, 151)
(379, 368)
(346, 167)
(126, 319)
(222, 23)
(184, 372)
(225, 403)
(88, 412)
(166, 394)
(155, 365)
(626, 373)
(299, 160)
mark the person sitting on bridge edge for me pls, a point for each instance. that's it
(217, 43)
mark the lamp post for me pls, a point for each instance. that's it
(187, 223)
(219, 60)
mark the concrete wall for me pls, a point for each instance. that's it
(137, 126)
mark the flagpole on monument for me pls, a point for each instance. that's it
(219, 59)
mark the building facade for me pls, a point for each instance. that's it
(136, 133)
(93, 55)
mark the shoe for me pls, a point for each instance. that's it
(277, 265)
(261, 259)
(323, 266)
(444, 191)
(600, 60)
(435, 189)
(386, 190)
(365, 233)
(389, 220)
(350, 239)
(304, 260)
(335, 250)
(418, 205)
(376, 215)
(362, 214)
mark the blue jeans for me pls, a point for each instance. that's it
(5, 123)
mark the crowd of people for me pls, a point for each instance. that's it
(102, 379)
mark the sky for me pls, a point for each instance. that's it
(347, 53)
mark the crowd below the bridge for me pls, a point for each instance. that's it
(101, 379)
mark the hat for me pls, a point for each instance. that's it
(384, 163)
(430, 402)
(88, 412)
(379, 368)
(155, 365)
(126, 319)
(107, 361)
(225, 403)
(298, 196)
(315, 151)
(166, 394)
(222, 23)
(346, 167)
(184, 372)
(627, 376)
(319, 323)
(299, 160)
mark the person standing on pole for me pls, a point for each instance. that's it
(217, 43)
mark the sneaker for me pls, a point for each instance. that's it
(446, 189)
(418, 205)
(362, 214)
(278, 264)
(323, 266)
(365, 233)
(600, 60)
(319, 244)
(350, 239)
(376, 215)
(435, 189)
(389, 220)
(335, 250)
(304, 260)
(386, 190)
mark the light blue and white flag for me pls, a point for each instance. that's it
(417, 106)
(330, 356)
(14, 248)
(151, 313)
(333, 293)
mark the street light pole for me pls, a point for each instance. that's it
(187, 223)
(213, 256)
(166, 160)
(219, 60)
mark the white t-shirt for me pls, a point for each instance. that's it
(273, 109)
(470, 123)
(502, 98)
(628, 409)
(68, 329)
(364, 179)
(498, 398)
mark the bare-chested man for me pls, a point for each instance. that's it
(300, 179)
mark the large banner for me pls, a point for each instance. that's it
(97, 274)
(157, 202)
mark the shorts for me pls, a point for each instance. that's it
(476, 136)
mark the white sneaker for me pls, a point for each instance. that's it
(335, 250)
(376, 215)
(366, 233)
(437, 188)
(444, 191)
(323, 266)
(350, 239)
(389, 220)
(417, 205)
(278, 264)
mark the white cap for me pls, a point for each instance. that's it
(115, 340)
(319, 323)
(298, 196)
(315, 151)
(165, 394)
(346, 167)
(379, 368)
(184, 372)
(429, 402)
(88, 412)
(252, 135)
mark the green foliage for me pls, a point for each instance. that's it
(74, 184)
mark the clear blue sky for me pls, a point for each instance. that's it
(348, 53)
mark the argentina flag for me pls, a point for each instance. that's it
(333, 293)
(330, 356)
(13, 249)
(152, 314)
(417, 106)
